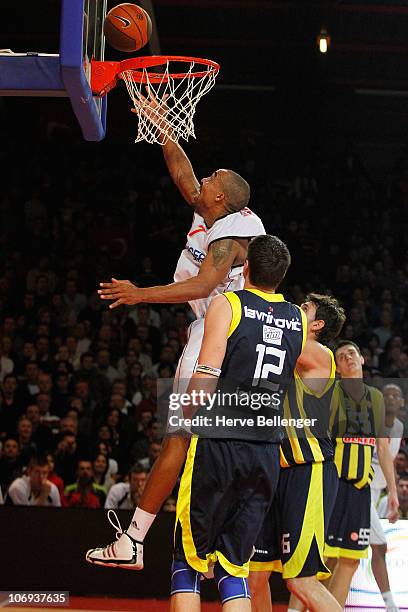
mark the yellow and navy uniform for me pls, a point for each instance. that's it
(229, 480)
(355, 425)
(293, 536)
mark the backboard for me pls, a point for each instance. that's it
(67, 73)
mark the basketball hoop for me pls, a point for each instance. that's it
(165, 98)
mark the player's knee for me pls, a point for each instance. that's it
(300, 587)
(230, 587)
(184, 579)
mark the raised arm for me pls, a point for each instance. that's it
(215, 268)
(181, 171)
(178, 164)
(314, 360)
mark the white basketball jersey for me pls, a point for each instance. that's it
(395, 434)
(242, 224)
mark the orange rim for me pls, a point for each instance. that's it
(140, 65)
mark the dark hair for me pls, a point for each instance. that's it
(328, 310)
(268, 260)
(346, 343)
(236, 190)
(403, 476)
(137, 468)
(39, 460)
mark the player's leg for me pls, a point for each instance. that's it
(378, 544)
(185, 602)
(265, 560)
(234, 591)
(313, 594)
(127, 552)
(260, 591)
(341, 580)
(185, 586)
(295, 604)
(348, 536)
(163, 476)
(306, 494)
(258, 464)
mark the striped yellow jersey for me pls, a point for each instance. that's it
(355, 426)
(311, 444)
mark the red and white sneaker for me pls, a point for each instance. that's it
(125, 553)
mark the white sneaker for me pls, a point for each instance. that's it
(125, 553)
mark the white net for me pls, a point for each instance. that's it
(166, 108)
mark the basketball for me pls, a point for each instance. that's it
(127, 27)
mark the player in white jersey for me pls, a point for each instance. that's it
(394, 429)
(211, 263)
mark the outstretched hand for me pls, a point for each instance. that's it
(121, 291)
(152, 108)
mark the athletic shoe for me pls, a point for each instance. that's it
(125, 553)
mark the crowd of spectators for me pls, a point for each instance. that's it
(78, 381)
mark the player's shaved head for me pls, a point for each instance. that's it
(268, 261)
(236, 190)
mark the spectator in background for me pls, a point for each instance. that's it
(82, 338)
(32, 372)
(104, 448)
(25, 440)
(105, 368)
(99, 385)
(10, 464)
(126, 495)
(151, 432)
(170, 504)
(84, 493)
(62, 393)
(385, 329)
(149, 401)
(153, 453)
(6, 364)
(134, 383)
(27, 354)
(42, 349)
(66, 458)
(43, 269)
(402, 492)
(138, 356)
(10, 406)
(143, 313)
(34, 488)
(74, 300)
(100, 471)
(54, 478)
(401, 461)
(42, 434)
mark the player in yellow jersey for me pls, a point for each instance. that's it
(292, 538)
(357, 423)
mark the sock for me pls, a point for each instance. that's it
(140, 524)
(388, 599)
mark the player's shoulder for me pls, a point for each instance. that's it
(242, 224)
